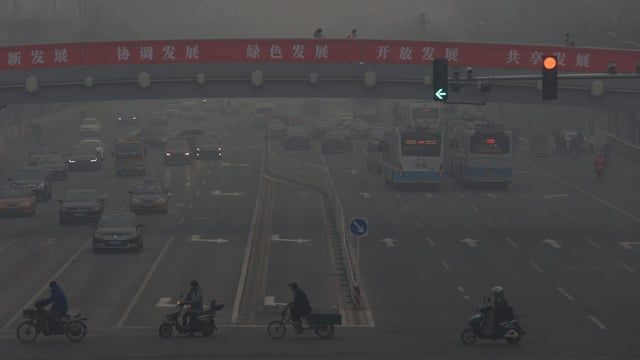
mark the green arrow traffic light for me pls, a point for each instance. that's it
(440, 95)
(440, 79)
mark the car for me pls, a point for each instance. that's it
(297, 138)
(177, 151)
(374, 156)
(87, 155)
(117, 230)
(360, 130)
(55, 164)
(277, 129)
(208, 147)
(320, 129)
(336, 141)
(90, 127)
(148, 136)
(128, 119)
(149, 196)
(36, 179)
(81, 205)
(38, 151)
(186, 134)
(17, 200)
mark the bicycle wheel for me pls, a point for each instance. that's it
(27, 332)
(325, 330)
(276, 329)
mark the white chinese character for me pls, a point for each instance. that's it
(428, 53)
(146, 53)
(535, 57)
(451, 54)
(253, 52)
(276, 52)
(583, 60)
(168, 52)
(406, 53)
(561, 58)
(322, 51)
(37, 57)
(383, 52)
(14, 58)
(60, 56)
(298, 51)
(192, 52)
(513, 57)
(123, 53)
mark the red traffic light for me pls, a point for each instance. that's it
(550, 63)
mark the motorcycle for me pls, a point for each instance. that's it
(38, 323)
(203, 322)
(511, 331)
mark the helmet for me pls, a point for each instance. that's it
(497, 291)
(53, 284)
(194, 283)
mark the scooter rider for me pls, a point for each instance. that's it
(58, 301)
(300, 306)
(194, 298)
(502, 310)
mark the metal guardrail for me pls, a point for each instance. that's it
(319, 178)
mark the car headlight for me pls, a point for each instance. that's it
(198, 149)
(94, 160)
(25, 204)
(187, 154)
(168, 154)
(134, 118)
(71, 161)
(160, 201)
(119, 118)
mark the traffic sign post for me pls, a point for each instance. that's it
(359, 227)
(440, 80)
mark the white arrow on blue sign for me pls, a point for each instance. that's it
(359, 226)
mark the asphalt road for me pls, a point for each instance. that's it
(563, 245)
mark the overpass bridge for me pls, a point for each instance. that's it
(295, 67)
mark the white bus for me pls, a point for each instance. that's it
(420, 114)
(480, 152)
(414, 155)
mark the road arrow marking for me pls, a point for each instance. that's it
(389, 242)
(354, 172)
(164, 303)
(49, 242)
(440, 94)
(553, 196)
(470, 242)
(628, 245)
(220, 193)
(276, 237)
(554, 243)
(365, 195)
(197, 238)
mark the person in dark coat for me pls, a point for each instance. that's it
(194, 298)
(58, 301)
(300, 305)
(502, 310)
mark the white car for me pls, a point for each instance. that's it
(98, 144)
(90, 127)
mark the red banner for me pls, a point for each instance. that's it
(570, 59)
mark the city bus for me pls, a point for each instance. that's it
(129, 157)
(413, 155)
(421, 113)
(479, 152)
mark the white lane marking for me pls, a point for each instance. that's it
(445, 265)
(543, 209)
(8, 244)
(430, 241)
(144, 284)
(553, 243)
(475, 208)
(220, 193)
(536, 266)
(597, 322)
(418, 223)
(276, 237)
(594, 197)
(460, 195)
(566, 294)
(491, 224)
(190, 206)
(398, 195)
(465, 296)
(567, 225)
(627, 267)
(198, 193)
(196, 238)
(513, 243)
(595, 244)
(181, 221)
(491, 195)
(406, 208)
(553, 196)
(201, 218)
(523, 195)
(365, 195)
(55, 276)
(164, 302)
(629, 245)
(470, 242)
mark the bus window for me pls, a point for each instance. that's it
(489, 143)
(420, 145)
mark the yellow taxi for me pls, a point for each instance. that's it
(149, 196)
(17, 200)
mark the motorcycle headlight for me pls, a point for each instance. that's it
(187, 154)
(71, 161)
(25, 204)
(94, 160)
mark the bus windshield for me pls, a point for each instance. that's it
(489, 143)
(425, 113)
(420, 144)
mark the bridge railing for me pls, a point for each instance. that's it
(317, 177)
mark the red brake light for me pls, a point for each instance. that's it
(491, 141)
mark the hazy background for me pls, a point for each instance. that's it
(613, 23)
